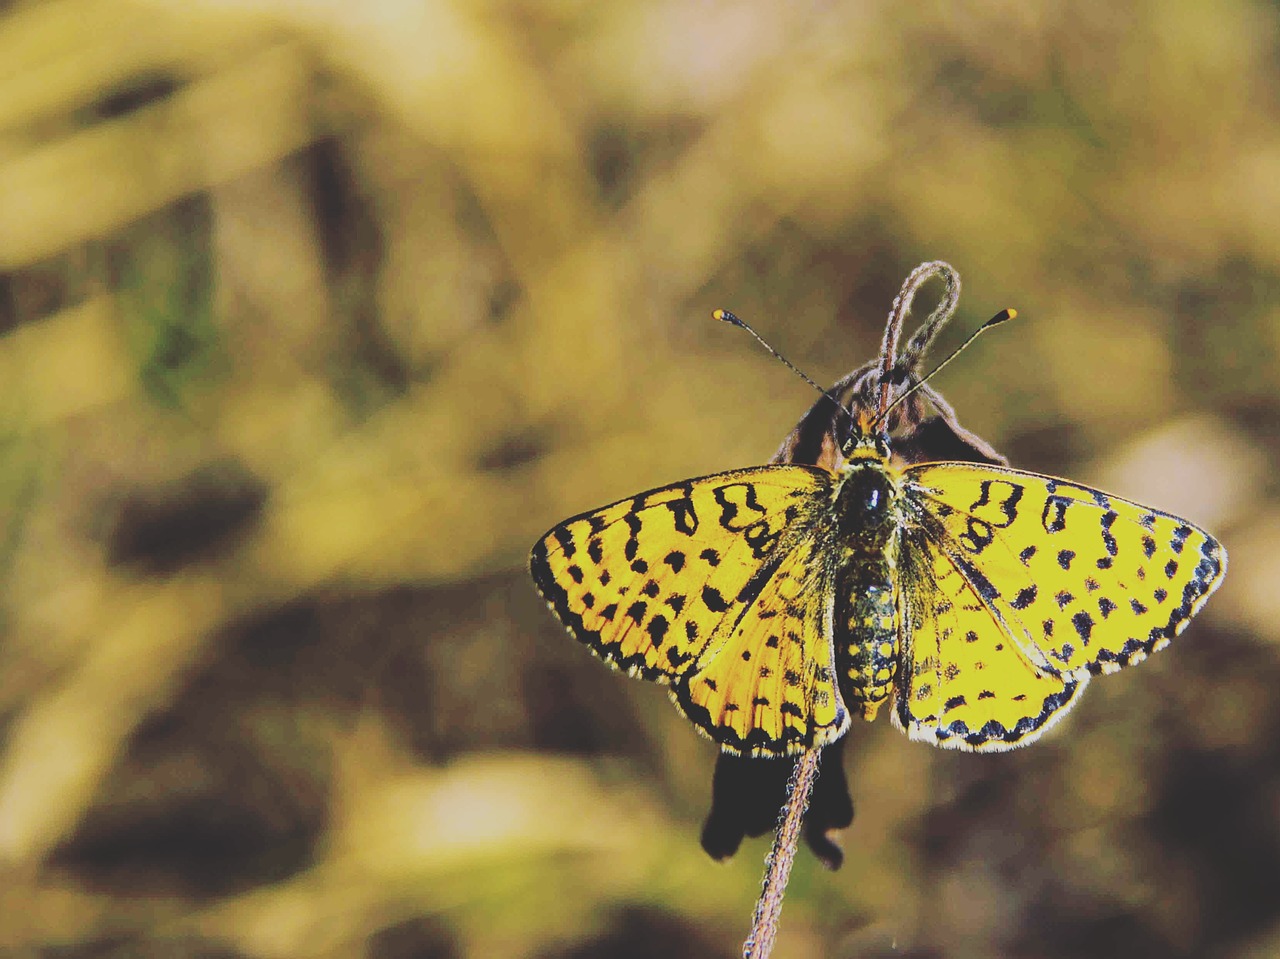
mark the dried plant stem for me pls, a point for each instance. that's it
(764, 925)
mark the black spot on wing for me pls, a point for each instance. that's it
(1083, 623)
(1054, 515)
(1108, 538)
(712, 599)
(632, 519)
(676, 658)
(565, 539)
(1025, 598)
(683, 515)
(1008, 504)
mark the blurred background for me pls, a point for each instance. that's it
(316, 315)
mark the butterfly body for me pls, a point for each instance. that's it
(867, 524)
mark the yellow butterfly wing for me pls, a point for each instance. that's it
(770, 688)
(1073, 581)
(676, 584)
(963, 681)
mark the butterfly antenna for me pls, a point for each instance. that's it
(727, 317)
(994, 321)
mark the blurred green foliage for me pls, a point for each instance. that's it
(315, 316)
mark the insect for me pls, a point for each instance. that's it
(747, 792)
(779, 601)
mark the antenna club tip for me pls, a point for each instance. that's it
(726, 317)
(1006, 314)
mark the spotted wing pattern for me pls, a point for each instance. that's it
(1071, 580)
(770, 689)
(963, 682)
(669, 583)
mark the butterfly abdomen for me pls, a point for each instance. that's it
(866, 635)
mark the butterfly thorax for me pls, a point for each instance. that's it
(865, 519)
(865, 616)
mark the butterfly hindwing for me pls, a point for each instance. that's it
(1082, 582)
(769, 688)
(656, 583)
(963, 683)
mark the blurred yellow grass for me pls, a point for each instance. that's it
(84, 185)
(436, 275)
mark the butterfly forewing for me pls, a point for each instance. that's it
(1081, 581)
(672, 583)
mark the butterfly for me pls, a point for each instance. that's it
(747, 792)
(779, 601)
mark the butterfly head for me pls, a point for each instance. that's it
(868, 439)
